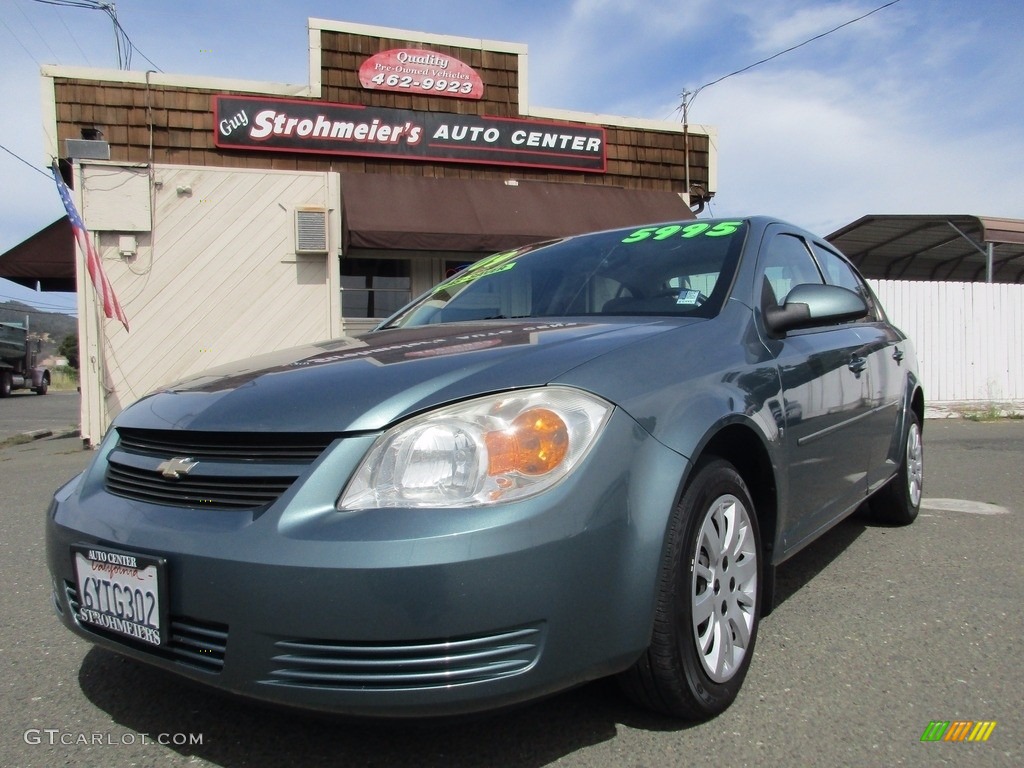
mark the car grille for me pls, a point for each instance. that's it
(426, 664)
(233, 471)
(223, 492)
(223, 445)
(193, 643)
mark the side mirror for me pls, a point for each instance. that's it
(812, 305)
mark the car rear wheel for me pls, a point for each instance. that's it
(708, 602)
(5, 383)
(899, 501)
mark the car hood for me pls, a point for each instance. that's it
(370, 382)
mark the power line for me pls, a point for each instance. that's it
(35, 309)
(123, 43)
(130, 45)
(39, 34)
(26, 162)
(18, 41)
(41, 308)
(71, 34)
(43, 305)
(689, 96)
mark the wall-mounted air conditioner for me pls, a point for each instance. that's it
(311, 230)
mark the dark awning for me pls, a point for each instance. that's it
(485, 215)
(934, 247)
(46, 258)
(416, 213)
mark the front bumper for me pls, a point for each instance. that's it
(394, 613)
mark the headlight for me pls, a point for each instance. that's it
(493, 449)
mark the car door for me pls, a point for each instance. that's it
(883, 352)
(825, 399)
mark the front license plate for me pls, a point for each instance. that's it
(121, 592)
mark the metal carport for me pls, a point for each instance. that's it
(950, 248)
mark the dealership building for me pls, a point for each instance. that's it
(236, 217)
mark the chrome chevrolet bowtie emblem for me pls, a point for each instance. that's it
(174, 468)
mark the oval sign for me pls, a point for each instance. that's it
(427, 73)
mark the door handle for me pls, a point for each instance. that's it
(857, 365)
(897, 355)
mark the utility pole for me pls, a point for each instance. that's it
(687, 95)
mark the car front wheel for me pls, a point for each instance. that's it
(900, 500)
(708, 601)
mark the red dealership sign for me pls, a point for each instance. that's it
(413, 70)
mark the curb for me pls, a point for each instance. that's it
(55, 433)
(39, 434)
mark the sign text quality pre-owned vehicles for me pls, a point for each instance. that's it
(282, 125)
(420, 71)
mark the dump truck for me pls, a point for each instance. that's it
(18, 369)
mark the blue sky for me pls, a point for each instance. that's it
(918, 108)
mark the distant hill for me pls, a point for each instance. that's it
(51, 327)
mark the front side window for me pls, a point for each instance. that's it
(838, 272)
(676, 269)
(786, 264)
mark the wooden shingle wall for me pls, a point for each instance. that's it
(176, 123)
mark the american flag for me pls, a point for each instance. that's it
(111, 307)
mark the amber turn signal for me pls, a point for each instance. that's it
(535, 443)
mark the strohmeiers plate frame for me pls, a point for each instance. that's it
(123, 569)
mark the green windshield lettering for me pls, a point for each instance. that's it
(663, 233)
(474, 273)
(721, 229)
(491, 261)
(640, 234)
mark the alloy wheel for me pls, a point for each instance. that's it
(724, 588)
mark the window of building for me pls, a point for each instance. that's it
(374, 288)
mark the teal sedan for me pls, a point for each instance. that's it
(576, 459)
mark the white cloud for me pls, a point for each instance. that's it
(655, 18)
(610, 50)
(822, 152)
(776, 26)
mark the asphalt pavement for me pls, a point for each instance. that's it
(27, 415)
(879, 632)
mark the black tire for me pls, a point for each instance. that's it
(43, 387)
(5, 384)
(900, 500)
(679, 674)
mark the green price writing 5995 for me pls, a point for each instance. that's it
(721, 229)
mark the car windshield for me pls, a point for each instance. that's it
(677, 269)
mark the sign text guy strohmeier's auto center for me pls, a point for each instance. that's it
(279, 125)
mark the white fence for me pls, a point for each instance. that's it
(969, 337)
